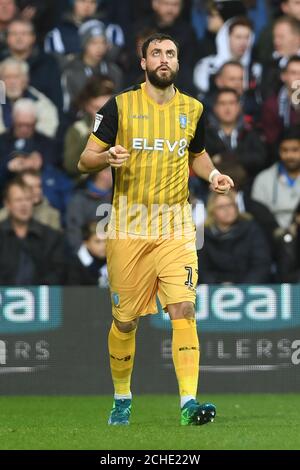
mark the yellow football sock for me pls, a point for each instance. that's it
(186, 354)
(121, 348)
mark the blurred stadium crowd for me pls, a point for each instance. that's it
(60, 61)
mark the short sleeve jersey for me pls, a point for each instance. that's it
(159, 139)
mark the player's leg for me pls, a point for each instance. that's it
(177, 270)
(133, 285)
(185, 349)
(186, 355)
(121, 346)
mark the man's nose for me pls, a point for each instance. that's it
(164, 58)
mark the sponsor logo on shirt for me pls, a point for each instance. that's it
(98, 119)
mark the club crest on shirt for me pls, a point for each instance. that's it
(98, 119)
(182, 121)
(116, 299)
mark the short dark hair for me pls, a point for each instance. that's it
(89, 229)
(97, 85)
(17, 181)
(293, 58)
(292, 22)
(24, 21)
(157, 37)
(235, 63)
(240, 21)
(290, 133)
(221, 91)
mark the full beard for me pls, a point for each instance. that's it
(161, 82)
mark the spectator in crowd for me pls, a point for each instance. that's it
(288, 8)
(83, 206)
(287, 246)
(234, 41)
(8, 11)
(44, 73)
(214, 15)
(231, 75)
(42, 14)
(278, 188)
(21, 143)
(42, 211)
(282, 110)
(24, 148)
(64, 39)
(88, 265)
(15, 75)
(286, 41)
(95, 94)
(92, 61)
(166, 18)
(291, 8)
(235, 250)
(229, 136)
(38, 250)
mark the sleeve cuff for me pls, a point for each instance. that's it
(197, 154)
(99, 141)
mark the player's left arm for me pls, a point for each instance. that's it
(201, 162)
(203, 167)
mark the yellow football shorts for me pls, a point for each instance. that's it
(139, 269)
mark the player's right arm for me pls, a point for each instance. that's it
(100, 151)
(95, 157)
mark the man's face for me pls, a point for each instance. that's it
(239, 40)
(291, 8)
(291, 75)
(161, 63)
(94, 104)
(15, 82)
(214, 21)
(24, 125)
(35, 184)
(225, 210)
(231, 77)
(96, 245)
(167, 10)
(289, 151)
(227, 108)
(19, 203)
(7, 10)
(286, 40)
(20, 37)
(85, 8)
(96, 48)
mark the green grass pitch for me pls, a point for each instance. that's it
(243, 422)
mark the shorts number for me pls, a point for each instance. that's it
(189, 281)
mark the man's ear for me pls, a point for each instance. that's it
(143, 63)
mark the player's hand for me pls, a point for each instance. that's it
(117, 156)
(222, 183)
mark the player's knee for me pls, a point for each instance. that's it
(188, 310)
(126, 327)
(182, 310)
